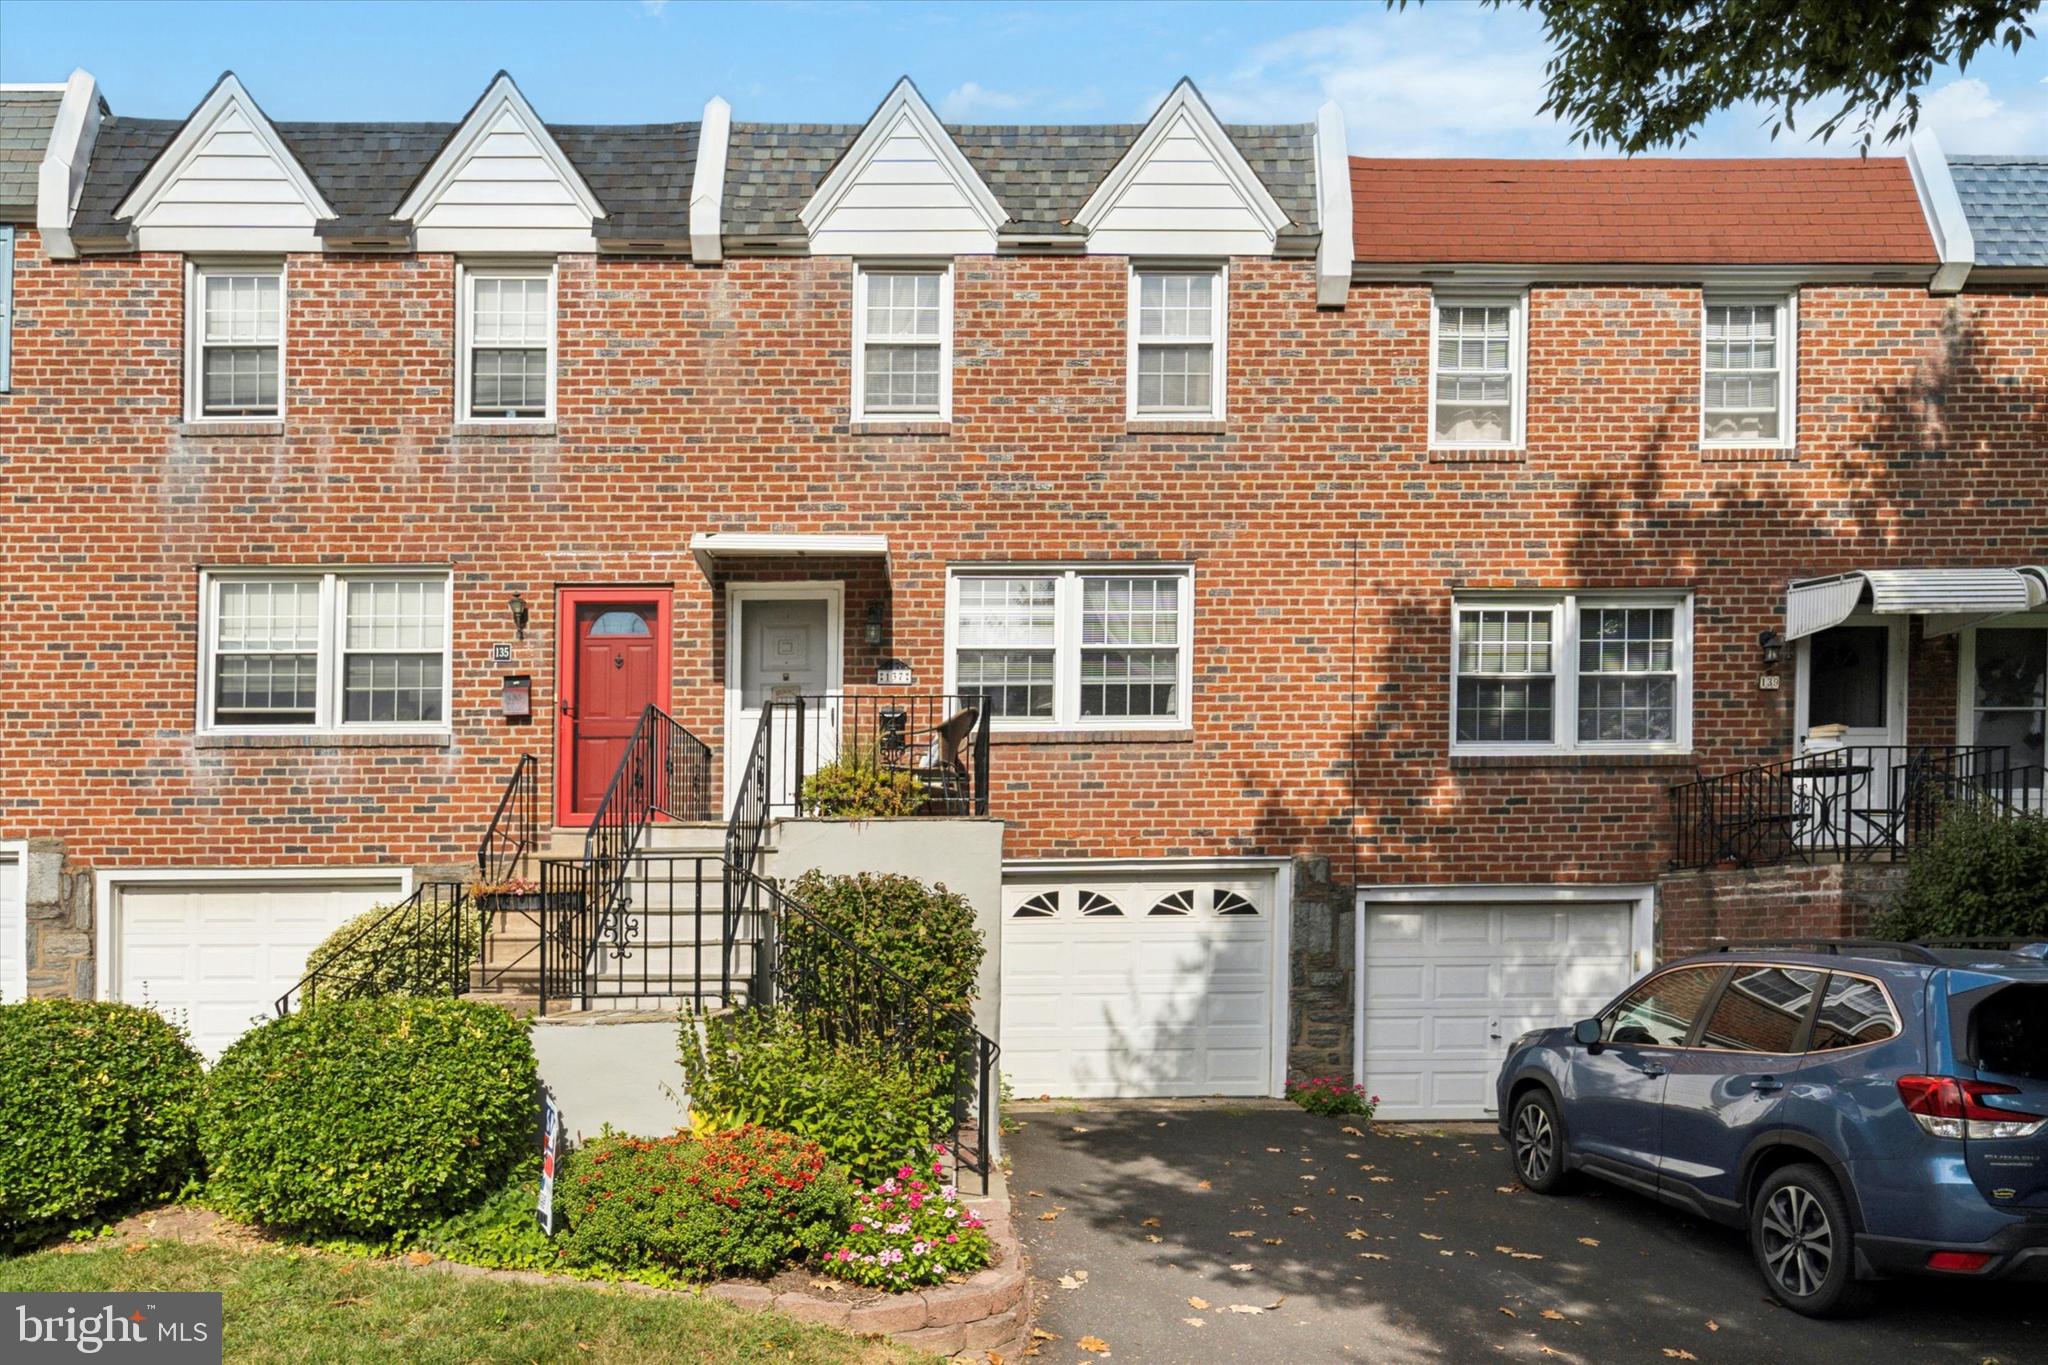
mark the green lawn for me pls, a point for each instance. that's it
(286, 1305)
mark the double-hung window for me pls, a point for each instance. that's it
(2005, 680)
(291, 651)
(1571, 672)
(1746, 371)
(1059, 648)
(235, 370)
(506, 320)
(1477, 366)
(903, 344)
(1177, 343)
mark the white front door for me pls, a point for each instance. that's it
(216, 956)
(1852, 676)
(1446, 986)
(1140, 984)
(784, 641)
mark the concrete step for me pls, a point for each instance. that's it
(673, 836)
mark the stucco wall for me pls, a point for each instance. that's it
(613, 1069)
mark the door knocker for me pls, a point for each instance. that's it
(618, 661)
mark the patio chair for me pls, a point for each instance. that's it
(941, 765)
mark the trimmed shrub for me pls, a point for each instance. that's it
(925, 934)
(866, 1109)
(382, 953)
(101, 1103)
(857, 785)
(1980, 875)
(743, 1202)
(369, 1117)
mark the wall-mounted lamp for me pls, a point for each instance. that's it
(520, 613)
(1772, 645)
(874, 627)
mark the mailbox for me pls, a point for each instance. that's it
(518, 697)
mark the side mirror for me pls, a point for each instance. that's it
(1587, 1032)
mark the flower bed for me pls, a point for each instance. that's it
(910, 1230)
(1333, 1096)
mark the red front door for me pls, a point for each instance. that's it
(615, 662)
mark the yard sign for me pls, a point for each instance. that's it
(550, 1145)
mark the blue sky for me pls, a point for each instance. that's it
(1441, 79)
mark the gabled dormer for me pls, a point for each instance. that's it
(903, 189)
(227, 182)
(1183, 189)
(502, 184)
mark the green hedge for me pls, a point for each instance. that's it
(1981, 875)
(367, 1117)
(380, 952)
(925, 934)
(100, 1102)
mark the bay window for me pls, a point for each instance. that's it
(1060, 648)
(1571, 672)
(286, 651)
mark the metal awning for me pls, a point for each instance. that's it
(1947, 599)
(708, 547)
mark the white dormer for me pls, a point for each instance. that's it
(903, 189)
(502, 184)
(1183, 189)
(227, 182)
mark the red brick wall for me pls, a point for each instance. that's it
(1695, 910)
(1326, 540)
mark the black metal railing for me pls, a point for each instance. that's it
(664, 771)
(514, 830)
(934, 744)
(424, 945)
(1860, 802)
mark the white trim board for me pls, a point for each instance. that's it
(107, 884)
(903, 189)
(61, 177)
(1182, 189)
(507, 207)
(1282, 870)
(14, 924)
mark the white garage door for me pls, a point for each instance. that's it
(1121, 986)
(1447, 986)
(216, 957)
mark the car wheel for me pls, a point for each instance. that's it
(1536, 1143)
(1800, 1234)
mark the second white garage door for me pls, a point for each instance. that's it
(1152, 985)
(217, 955)
(1445, 986)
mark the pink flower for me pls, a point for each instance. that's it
(952, 1236)
(845, 1254)
(860, 1227)
(905, 1173)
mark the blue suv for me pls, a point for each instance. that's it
(1864, 1109)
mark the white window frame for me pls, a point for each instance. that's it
(1067, 606)
(1566, 608)
(1219, 343)
(196, 271)
(468, 271)
(1517, 304)
(1966, 669)
(330, 648)
(862, 273)
(1787, 305)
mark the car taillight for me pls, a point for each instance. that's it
(1965, 1262)
(1949, 1108)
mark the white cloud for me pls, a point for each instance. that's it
(1967, 117)
(978, 101)
(653, 9)
(971, 101)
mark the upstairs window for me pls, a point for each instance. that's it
(903, 345)
(236, 370)
(316, 652)
(1476, 373)
(1177, 333)
(1571, 672)
(1074, 648)
(507, 323)
(1746, 372)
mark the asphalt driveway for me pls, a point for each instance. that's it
(1155, 1230)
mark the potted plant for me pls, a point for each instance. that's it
(505, 896)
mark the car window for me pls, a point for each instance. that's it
(1762, 1009)
(1853, 1012)
(1659, 1013)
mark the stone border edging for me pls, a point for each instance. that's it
(989, 1311)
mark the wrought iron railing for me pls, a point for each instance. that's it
(935, 744)
(514, 831)
(424, 945)
(1860, 802)
(664, 771)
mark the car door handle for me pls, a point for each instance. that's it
(1651, 1069)
(1767, 1084)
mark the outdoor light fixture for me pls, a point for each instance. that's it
(874, 630)
(520, 612)
(1772, 645)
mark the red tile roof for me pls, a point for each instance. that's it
(1647, 211)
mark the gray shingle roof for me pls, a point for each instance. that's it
(641, 172)
(1042, 174)
(25, 119)
(2005, 199)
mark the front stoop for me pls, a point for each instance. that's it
(988, 1311)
